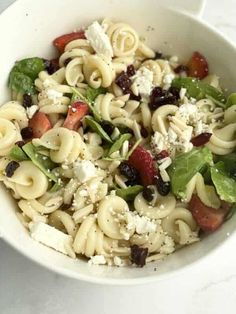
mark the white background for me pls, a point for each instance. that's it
(26, 288)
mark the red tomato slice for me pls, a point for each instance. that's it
(39, 124)
(61, 41)
(209, 219)
(75, 113)
(198, 66)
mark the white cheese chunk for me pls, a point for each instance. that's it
(141, 224)
(52, 237)
(97, 260)
(53, 94)
(31, 111)
(84, 170)
(142, 82)
(99, 40)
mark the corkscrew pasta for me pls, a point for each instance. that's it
(115, 151)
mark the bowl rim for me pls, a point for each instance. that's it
(120, 281)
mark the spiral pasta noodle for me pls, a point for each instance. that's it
(101, 150)
(9, 135)
(64, 145)
(123, 38)
(180, 226)
(29, 181)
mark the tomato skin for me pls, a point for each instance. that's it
(142, 160)
(40, 124)
(61, 41)
(209, 219)
(74, 115)
(198, 66)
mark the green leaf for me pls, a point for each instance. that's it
(129, 193)
(57, 186)
(21, 83)
(229, 162)
(96, 127)
(18, 154)
(198, 90)
(185, 166)
(231, 100)
(23, 74)
(118, 143)
(44, 163)
(92, 93)
(77, 95)
(224, 184)
(30, 67)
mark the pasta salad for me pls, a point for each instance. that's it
(116, 152)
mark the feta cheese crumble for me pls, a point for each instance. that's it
(31, 111)
(84, 170)
(52, 238)
(142, 82)
(99, 40)
(97, 260)
(53, 94)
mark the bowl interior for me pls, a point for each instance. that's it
(28, 28)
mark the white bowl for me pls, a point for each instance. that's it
(28, 27)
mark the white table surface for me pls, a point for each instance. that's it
(26, 288)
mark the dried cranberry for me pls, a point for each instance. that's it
(174, 91)
(162, 154)
(51, 66)
(163, 188)
(20, 143)
(144, 132)
(129, 171)
(27, 101)
(147, 194)
(124, 82)
(27, 133)
(108, 127)
(138, 255)
(134, 97)
(201, 139)
(159, 98)
(130, 70)
(181, 68)
(11, 167)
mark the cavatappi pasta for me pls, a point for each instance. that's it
(116, 152)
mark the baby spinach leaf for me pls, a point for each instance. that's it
(224, 184)
(57, 186)
(44, 163)
(198, 89)
(129, 193)
(229, 163)
(96, 127)
(19, 82)
(23, 74)
(92, 93)
(30, 67)
(18, 154)
(118, 143)
(185, 166)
